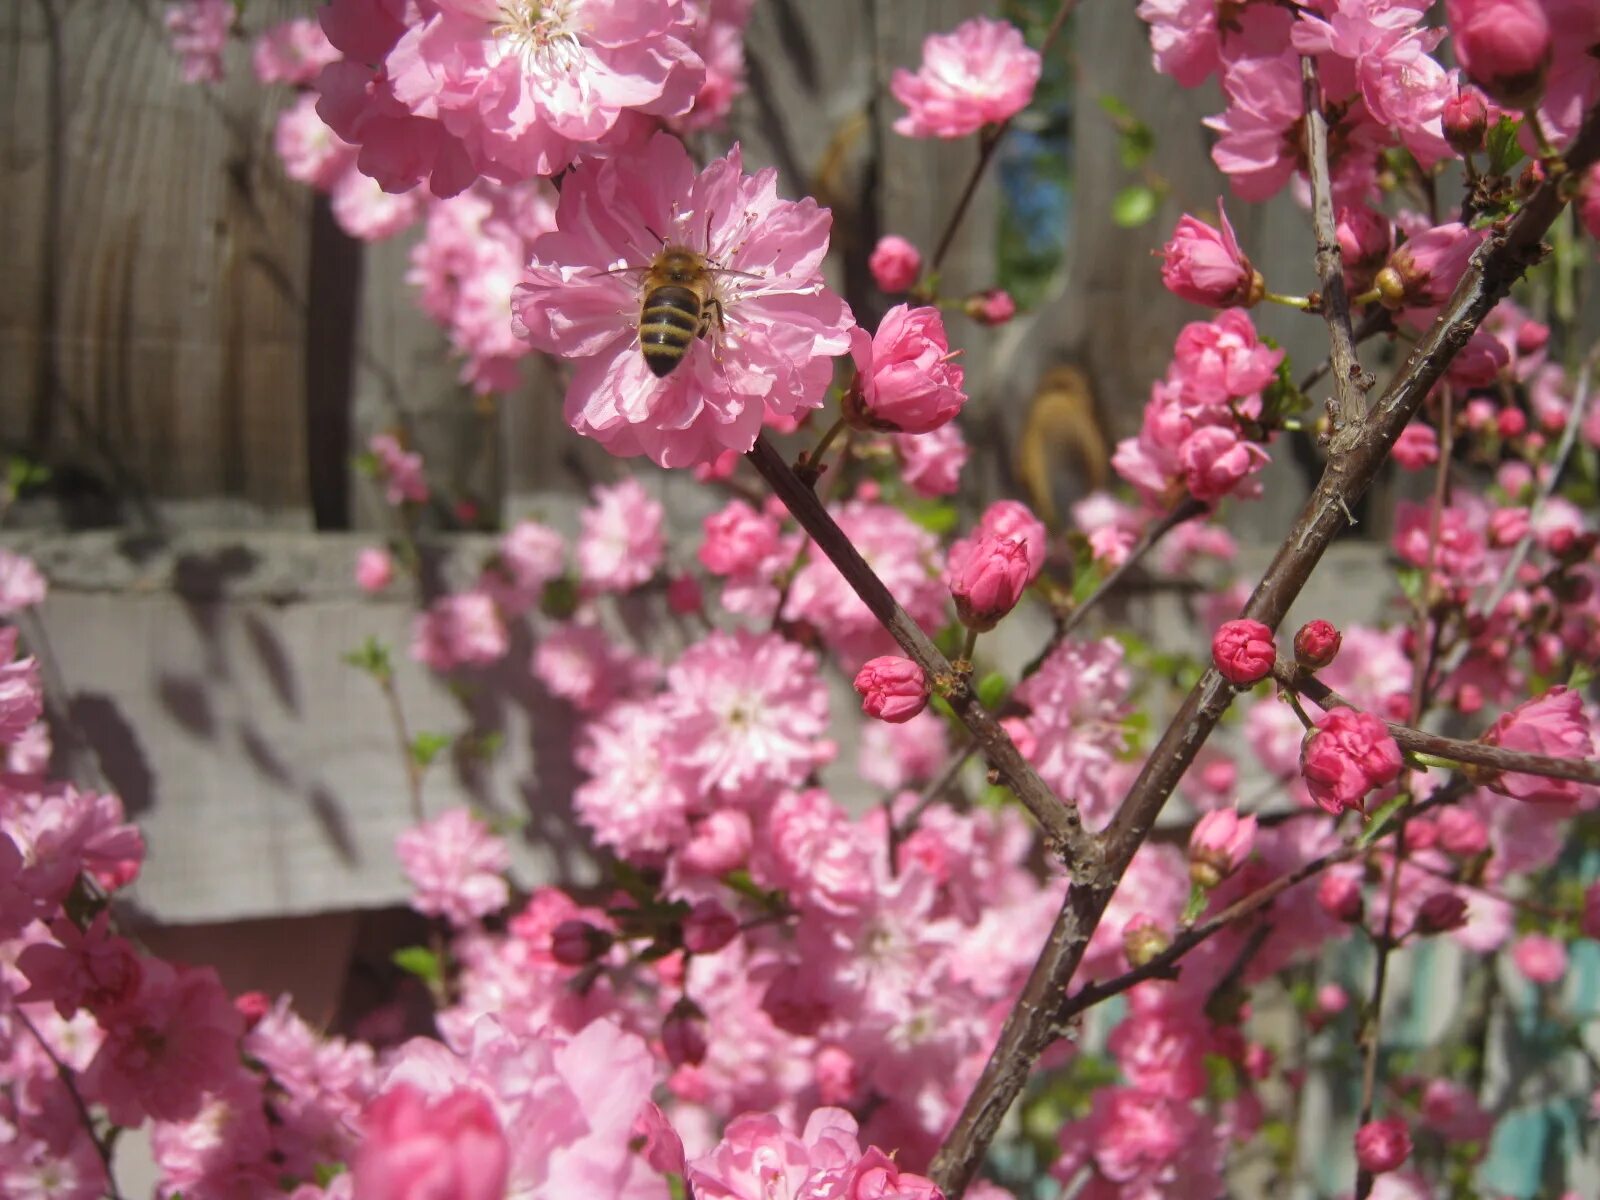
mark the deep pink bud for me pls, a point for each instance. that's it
(709, 927)
(1440, 913)
(892, 689)
(1220, 843)
(683, 595)
(252, 1006)
(575, 943)
(1541, 959)
(683, 1034)
(1204, 265)
(1466, 121)
(1511, 423)
(1417, 447)
(1348, 754)
(1339, 895)
(993, 307)
(417, 1148)
(1503, 45)
(1382, 1145)
(895, 264)
(988, 579)
(1316, 645)
(1243, 651)
(907, 380)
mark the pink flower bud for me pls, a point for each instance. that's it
(895, 264)
(1429, 265)
(1440, 913)
(1417, 448)
(683, 1034)
(988, 580)
(1504, 46)
(1511, 423)
(1339, 895)
(683, 595)
(1462, 832)
(374, 569)
(1365, 239)
(575, 943)
(709, 927)
(892, 689)
(1243, 651)
(1220, 843)
(1347, 755)
(1466, 121)
(417, 1148)
(252, 1006)
(1541, 959)
(1382, 1145)
(1204, 265)
(1316, 645)
(907, 380)
(993, 307)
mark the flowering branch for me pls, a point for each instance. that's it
(1353, 462)
(102, 1146)
(1579, 770)
(1059, 819)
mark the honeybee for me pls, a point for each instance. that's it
(678, 306)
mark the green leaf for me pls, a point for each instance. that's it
(372, 656)
(560, 599)
(326, 1173)
(419, 961)
(366, 463)
(1504, 153)
(1136, 145)
(934, 517)
(1134, 206)
(992, 689)
(1582, 675)
(1377, 825)
(1114, 108)
(426, 747)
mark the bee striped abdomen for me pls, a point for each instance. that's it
(668, 324)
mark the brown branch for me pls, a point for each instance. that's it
(1062, 825)
(1351, 467)
(988, 142)
(1579, 770)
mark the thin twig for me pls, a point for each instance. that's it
(397, 718)
(1375, 321)
(902, 829)
(1496, 758)
(988, 142)
(1351, 467)
(1060, 820)
(102, 1147)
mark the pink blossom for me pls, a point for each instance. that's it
(988, 578)
(1339, 894)
(1459, 553)
(1453, 1110)
(1440, 912)
(199, 31)
(1588, 204)
(294, 52)
(892, 689)
(1423, 272)
(780, 325)
(531, 556)
(374, 569)
(1553, 724)
(895, 264)
(21, 696)
(1216, 461)
(931, 463)
(1143, 1143)
(311, 152)
(641, 792)
(589, 668)
(399, 469)
(1224, 357)
(1417, 448)
(1316, 645)
(89, 968)
(907, 380)
(177, 1039)
(1365, 239)
(1382, 1145)
(717, 36)
(1466, 121)
(738, 541)
(895, 756)
(991, 307)
(1077, 701)
(1244, 652)
(708, 928)
(456, 867)
(449, 1148)
(1204, 265)
(1540, 958)
(226, 1147)
(1256, 148)
(1183, 38)
(1504, 46)
(21, 583)
(368, 213)
(1219, 845)
(620, 543)
(463, 629)
(981, 73)
(1347, 755)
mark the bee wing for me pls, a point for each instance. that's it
(619, 271)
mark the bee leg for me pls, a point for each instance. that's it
(705, 317)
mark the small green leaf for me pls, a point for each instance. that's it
(935, 518)
(1114, 108)
(1377, 826)
(992, 689)
(366, 463)
(372, 656)
(1136, 145)
(1134, 206)
(426, 747)
(419, 961)
(560, 599)
(1582, 675)
(1504, 152)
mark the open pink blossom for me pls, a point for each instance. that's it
(463, 629)
(417, 1148)
(1347, 755)
(907, 379)
(1553, 724)
(980, 73)
(769, 354)
(199, 30)
(456, 867)
(1204, 265)
(621, 542)
(892, 689)
(931, 463)
(293, 52)
(22, 585)
(1183, 38)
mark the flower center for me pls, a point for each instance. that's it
(541, 34)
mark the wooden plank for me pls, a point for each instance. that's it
(154, 349)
